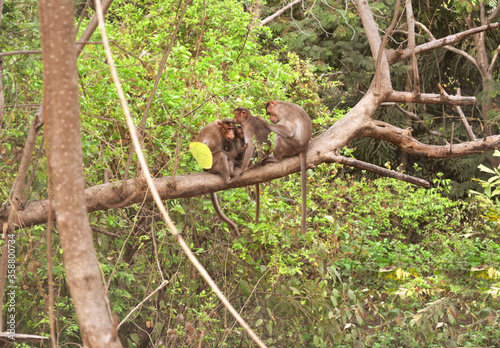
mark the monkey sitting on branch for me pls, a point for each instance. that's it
(256, 133)
(293, 128)
(219, 136)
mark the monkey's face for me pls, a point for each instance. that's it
(239, 132)
(228, 133)
(274, 119)
(239, 116)
(226, 129)
(272, 116)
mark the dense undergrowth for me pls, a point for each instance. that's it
(384, 264)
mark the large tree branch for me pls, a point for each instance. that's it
(404, 140)
(429, 98)
(397, 55)
(107, 196)
(323, 149)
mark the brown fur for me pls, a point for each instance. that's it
(293, 129)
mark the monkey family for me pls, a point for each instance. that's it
(235, 150)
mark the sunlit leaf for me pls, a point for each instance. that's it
(201, 154)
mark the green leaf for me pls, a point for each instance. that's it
(245, 289)
(269, 327)
(201, 154)
(483, 168)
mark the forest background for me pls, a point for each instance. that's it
(384, 263)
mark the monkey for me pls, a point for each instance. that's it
(219, 136)
(293, 128)
(256, 133)
(220, 139)
(240, 145)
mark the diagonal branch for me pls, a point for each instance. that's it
(415, 118)
(495, 12)
(461, 113)
(278, 13)
(397, 56)
(377, 46)
(451, 48)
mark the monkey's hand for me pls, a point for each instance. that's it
(270, 159)
(237, 173)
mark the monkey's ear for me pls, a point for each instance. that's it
(272, 103)
(243, 113)
(219, 124)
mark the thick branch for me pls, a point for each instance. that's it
(404, 140)
(429, 98)
(106, 196)
(397, 56)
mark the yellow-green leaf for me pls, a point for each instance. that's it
(201, 154)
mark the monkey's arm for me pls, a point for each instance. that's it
(247, 157)
(229, 154)
(285, 130)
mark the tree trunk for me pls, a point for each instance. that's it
(62, 120)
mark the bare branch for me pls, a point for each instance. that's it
(451, 48)
(461, 113)
(381, 171)
(404, 140)
(278, 13)
(397, 56)
(16, 53)
(495, 13)
(410, 19)
(414, 117)
(380, 69)
(429, 98)
(494, 59)
(382, 77)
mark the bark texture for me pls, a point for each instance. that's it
(62, 120)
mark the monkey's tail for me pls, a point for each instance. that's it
(303, 179)
(215, 202)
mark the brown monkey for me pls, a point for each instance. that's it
(293, 129)
(240, 145)
(220, 139)
(256, 132)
